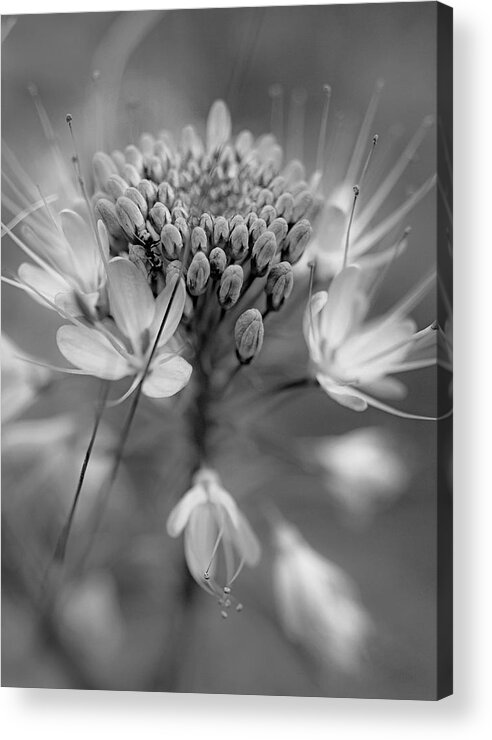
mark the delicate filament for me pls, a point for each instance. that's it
(320, 156)
(347, 238)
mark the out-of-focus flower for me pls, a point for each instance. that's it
(361, 468)
(21, 379)
(317, 604)
(121, 347)
(214, 530)
(354, 356)
(327, 245)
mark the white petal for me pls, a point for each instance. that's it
(311, 324)
(342, 306)
(44, 282)
(174, 315)
(343, 395)
(178, 518)
(131, 300)
(218, 126)
(249, 547)
(82, 241)
(89, 350)
(168, 374)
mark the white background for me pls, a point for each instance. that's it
(76, 714)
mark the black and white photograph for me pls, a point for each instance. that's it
(227, 351)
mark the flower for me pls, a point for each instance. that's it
(317, 604)
(360, 468)
(336, 215)
(22, 379)
(121, 346)
(352, 355)
(213, 525)
(69, 258)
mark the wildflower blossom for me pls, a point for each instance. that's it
(354, 356)
(122, 346)
(360, 468)
(213, 526)
(317, 604)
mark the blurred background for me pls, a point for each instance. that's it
(115, 618)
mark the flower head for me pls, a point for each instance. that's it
(354, 356)
(122, 346)
(218, 538)
(317, 604)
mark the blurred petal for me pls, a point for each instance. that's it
(89, 350)
(131, 300)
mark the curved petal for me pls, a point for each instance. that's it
(341, 308)
(44, 282)
(179, 516)
(311, 324)
(200, 536)
(167, 375)
(247, 542)
(175, 312)
(89, 350)
(81, 238)
(131, 300)
(342, 394)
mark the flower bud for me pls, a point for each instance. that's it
(221, 231)
(129, 216)
(119, 159)
(156, 169)
(131, 175)
(198, 274)
(172, 242)
(265, 198)
(107, 212)
(285, 206)
(268, 214)
(296, 241)
(279, 285)
(277, 186)
(159, 216)
(199, 241)
(149, 191)
(303, 203)
(248, 335)
(138, 256)
(134, 157)
(207, 224)
(165, 194)
(239, 241)
(250, 218)
(173, 269)
(182, 226)
(218, 261)
(263, 252)
(178, 211)
(257, 228)
(230, 286)
(236, 220)
(103, 167)
(279, 228)
(116, 186)
(137, 197)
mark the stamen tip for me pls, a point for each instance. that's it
(224, 614)
(69, 118)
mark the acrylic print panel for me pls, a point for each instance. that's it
(223, 468)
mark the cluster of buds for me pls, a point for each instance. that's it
(223, 207)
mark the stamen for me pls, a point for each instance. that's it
(295, 131)
(364, 134)
(375, 140)
(320, 156)
(276, 93)
(347, 238)
(206, 574)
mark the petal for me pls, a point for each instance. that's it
(343, 395)
(44, 282)
(247, 543)
(168, 374)
(218, 126)
(131, 300)
(179, 516)
(311, 324)
(200, 536)
(92, 352)
(175, 312)
(342, 306)
(81, 238)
